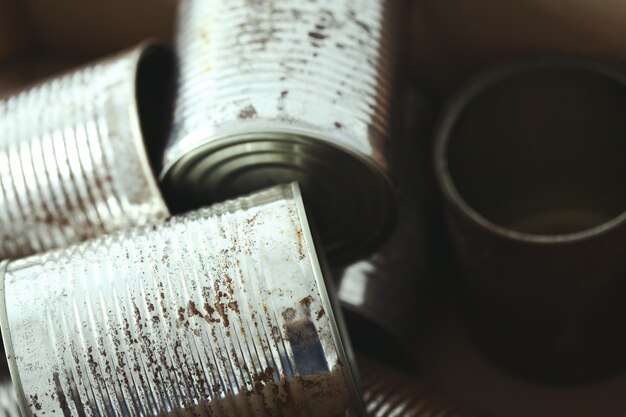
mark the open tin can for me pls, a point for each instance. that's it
(221, 312)
(530, 160)
(276, 91)
(73, 153)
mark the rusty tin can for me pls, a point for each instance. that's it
(221, 312)
(391, 393)
(273, 91)
(73, 159)
(530, 160)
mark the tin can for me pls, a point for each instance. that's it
(385, 295)
(391, 393)
(530, 159)
(272, 91)
(73, 159)
(221, 312)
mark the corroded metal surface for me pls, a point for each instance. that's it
(390, 393)
(221, 312)
(271, 91)
(72, 158)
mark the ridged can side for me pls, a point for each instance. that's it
(277, 90)
(220, 312)
(390, 393)
(73, 163)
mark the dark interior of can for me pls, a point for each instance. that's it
(155, 101)
(543, 151)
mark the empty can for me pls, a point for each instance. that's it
(73, 159)
(220, 312)
(391, 393)
(272, 91)
(530, 159)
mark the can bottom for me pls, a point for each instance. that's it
(351, 201)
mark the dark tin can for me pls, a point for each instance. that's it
(530, 159)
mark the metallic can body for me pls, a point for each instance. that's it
(220, 312)
(390, 393)
(530, 161)
(73, 163)
(280, 90)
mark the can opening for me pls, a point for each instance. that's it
(154, 94)
(541, 150)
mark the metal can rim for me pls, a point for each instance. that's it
(140, 52)
(260, 131)
(386, 218)
(344, 349)
(472, 89)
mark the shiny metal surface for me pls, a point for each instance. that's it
(390, 393)
(273, 91)
(73, 162)
(8, 400)
(220, 312)
(530, 160)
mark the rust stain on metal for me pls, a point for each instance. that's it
(289, 314)
(247, 112)
(317, 35)
(306, 301)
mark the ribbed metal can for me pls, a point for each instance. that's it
(220, 312)
(73, 158)
(390, 393)
(8, 400)
(271, 91)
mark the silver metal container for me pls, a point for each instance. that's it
(390, 393)
(221, 312)
(273, 91)
(73, 160)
